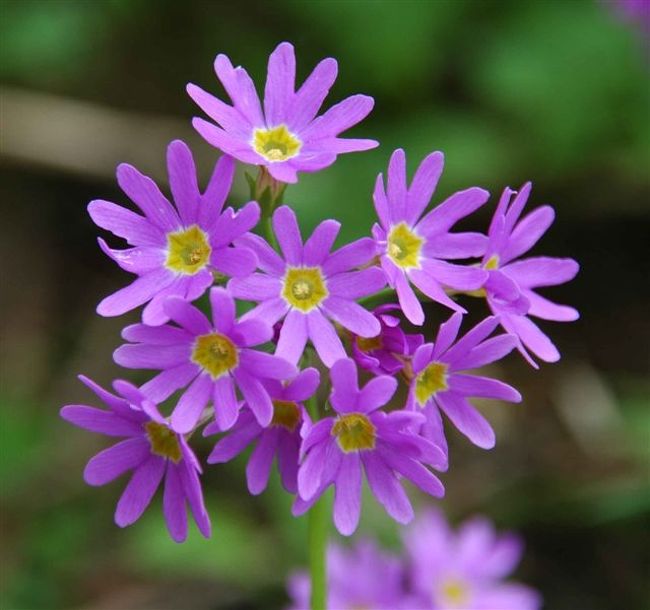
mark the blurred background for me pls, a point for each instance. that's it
(552, 91)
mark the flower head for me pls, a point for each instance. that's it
(465, 569)
(175, 248)
(310, 287)
(387, 351)
(510, 288)
(285, 135)
(152, 450)
(280, 439)
(213, 357)
(361, 437)
(438, 383)
(413, 248)
(363, 576)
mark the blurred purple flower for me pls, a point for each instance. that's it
(280, 439)
(215, 357)
(465, 569)
(152, 450)
(175, 248)
(415, 249)
(285, 136)
(359, 577)
(386, 352)
(310, 286)
(336, 449)
(510, 287)
(439, 385)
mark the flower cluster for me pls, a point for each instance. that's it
(441, 569)
(268, 339)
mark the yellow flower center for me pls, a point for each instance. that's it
(276, 144)
(369, 344)
(188, 250)
(285, 414)
(354, 432)
(163, 441)
(215, 354)
(493, 263)
(431, 380)
(304, 287)
(454, 593)
(404, 246)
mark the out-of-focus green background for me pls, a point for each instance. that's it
(552, 91)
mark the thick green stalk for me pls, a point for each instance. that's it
(317, 537)
(318, 526)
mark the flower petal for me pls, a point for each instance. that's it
(356, 284)
(266, 365)
(451, 210)
(347, 495)
(287, 231)
(98, 420)
(163, 385)
(322, 334)
(182, 181)
(139, 491)
(174, 505)
(259, 465)
(319, 244)
(116, 460)
(352, 255)
(423, 186)
(280, 83)
(187, 316)
(191, 404)
(467, 419)
(542, 271)
(309, 98)
(256, 396)
(386, 488)
(483, 387)
(352, 316)
(339, 117)
(136, 229)
(293, 337)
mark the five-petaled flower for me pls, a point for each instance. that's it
(175, 249)
(281, 438)
(415, 249)
(312, 287)
(152, 450)
(458, 570)
(285, 136)
(510, 288)
(438, 383)
(216, 357)
(361, 437)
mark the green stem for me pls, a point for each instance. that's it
(318, 517)
(318, 522)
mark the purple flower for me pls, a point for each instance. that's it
(415, 249)
(311, 287)
(465, 569)
(389, 350)
(285, 136)
(175, 249)
(359, 577)
(510, 287)
(438, 383)
(280, 439)
(336, 449)
(152, 450)
(215, 357)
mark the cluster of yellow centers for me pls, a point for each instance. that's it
(354, 432)
(431, 380)
(304, 288)
(286, 414)
(215, 353)
(404, 246)
(188, 250)
(163, 441)
(276, 144)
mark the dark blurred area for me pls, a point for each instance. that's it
(556, 92)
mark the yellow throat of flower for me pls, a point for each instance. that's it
(369, 344)
(431, 380)
(276, 144)
(454, 593)
(354, 432)
(163, 441)
(188, 250)
(404, 246)
(285, 414)
(492, 263)
(215, 353)
(304, 287)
